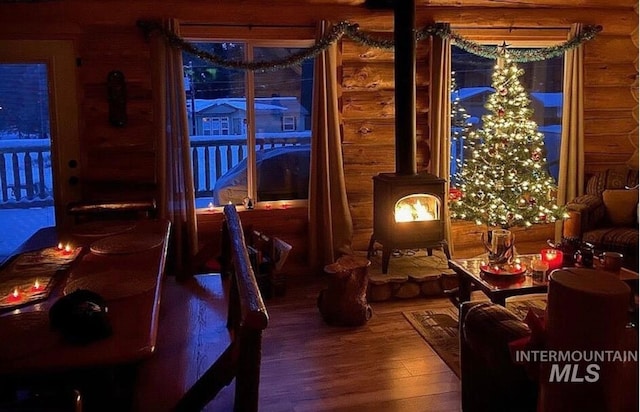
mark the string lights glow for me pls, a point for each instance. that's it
(505, 182)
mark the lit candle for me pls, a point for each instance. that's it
(553, 257)
(60, 246)
(67, 249)
(285, 205)
(267, 206)
(15, 295)
(37, 287)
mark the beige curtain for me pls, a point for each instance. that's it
(330, 225)
(571, 172)
(177, 196)
(441, 121)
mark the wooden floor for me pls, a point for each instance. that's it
(307, 365)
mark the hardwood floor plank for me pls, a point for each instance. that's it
(307, 365)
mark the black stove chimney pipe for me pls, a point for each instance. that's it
(405, 91)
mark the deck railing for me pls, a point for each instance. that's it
(212, 158)
(25, 173)
(25, 166)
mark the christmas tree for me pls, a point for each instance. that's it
(505, 182)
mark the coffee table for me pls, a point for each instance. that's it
(499, 287)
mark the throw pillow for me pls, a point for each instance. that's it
(621, 206)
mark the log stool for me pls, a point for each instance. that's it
(344, 302)
(587, 313)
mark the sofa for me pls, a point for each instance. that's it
(587, 310)
(607, 214)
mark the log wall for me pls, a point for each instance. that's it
(125, 159)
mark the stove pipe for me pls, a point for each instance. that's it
(405, 90)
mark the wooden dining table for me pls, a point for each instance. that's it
(124, 262)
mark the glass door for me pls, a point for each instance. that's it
(38, 138)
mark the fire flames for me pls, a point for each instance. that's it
(413, 212)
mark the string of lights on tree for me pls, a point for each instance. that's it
(352, 31)
(505, 182)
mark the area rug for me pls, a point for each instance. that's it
(439, 326)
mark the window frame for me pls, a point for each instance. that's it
(525, 37)
(252, 37)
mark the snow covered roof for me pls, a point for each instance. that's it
(240, 103)
(468, 92)
(548, 99)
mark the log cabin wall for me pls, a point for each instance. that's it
(117, 160)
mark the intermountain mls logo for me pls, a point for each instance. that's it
(577, 366)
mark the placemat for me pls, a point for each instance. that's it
(126, 243)
(25, 336)
(112, 285)
(29, 277)
(102, 228)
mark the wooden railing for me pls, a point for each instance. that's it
(246, 319)
(25, 166)
(24, 171)
(213, 157)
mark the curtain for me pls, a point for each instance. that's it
(330, 224)
(177, 195)
(571, 168)
(441, 121)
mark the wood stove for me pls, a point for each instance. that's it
(407, 206)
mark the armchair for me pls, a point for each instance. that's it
(607, 214)
(587, 311)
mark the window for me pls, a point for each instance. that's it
(215, 126)
(251, 130)
(288, 123)
(472, 85)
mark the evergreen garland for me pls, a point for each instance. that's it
(352, 31)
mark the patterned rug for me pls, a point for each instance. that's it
(439, 326)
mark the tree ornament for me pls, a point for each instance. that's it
(455, 194)
(503, 92)
(535, 156)
(500, 112)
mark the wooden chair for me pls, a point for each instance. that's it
(246, 319)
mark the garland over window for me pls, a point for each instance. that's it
(352, 31)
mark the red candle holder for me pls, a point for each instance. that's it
(15, 296)
(553, 257)
(36, 287)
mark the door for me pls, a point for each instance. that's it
(39, 148)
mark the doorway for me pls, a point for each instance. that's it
(38, 138)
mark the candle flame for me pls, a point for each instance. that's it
(15, 293)
(36, 284)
